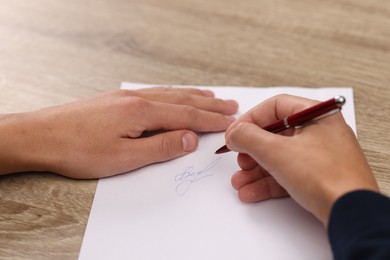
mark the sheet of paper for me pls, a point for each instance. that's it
(187, 209)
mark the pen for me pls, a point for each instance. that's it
(301, 118)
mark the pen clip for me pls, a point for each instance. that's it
(334, 111)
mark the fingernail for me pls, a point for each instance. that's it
(189, 142)
(232, 106)
(232, 102)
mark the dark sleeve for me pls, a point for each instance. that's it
(359, 226)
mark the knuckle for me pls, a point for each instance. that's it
(131, 106)
(282, 96)
(240, 129)
(191, 112)
(166, 88)
(165, 148)
(184, 98)
(137, 103)
(123, 92)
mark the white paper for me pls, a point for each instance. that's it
(156, 213)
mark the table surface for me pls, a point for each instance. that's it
(53, 52)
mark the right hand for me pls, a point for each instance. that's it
(315, 165)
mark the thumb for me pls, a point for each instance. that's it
(251, 139)
(167, 146)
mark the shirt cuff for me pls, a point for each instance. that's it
(357, 217)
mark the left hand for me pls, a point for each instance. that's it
(103, 135)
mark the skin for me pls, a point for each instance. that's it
(315, 165)
(112, 133)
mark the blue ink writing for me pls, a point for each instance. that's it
(189, 176)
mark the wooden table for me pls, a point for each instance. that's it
(53, 52)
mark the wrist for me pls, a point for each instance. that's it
(17, 144)
(339, 191)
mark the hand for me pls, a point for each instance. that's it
(104, 135)
(315, 165)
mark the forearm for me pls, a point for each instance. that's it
(17, 152)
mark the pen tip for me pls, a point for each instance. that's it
(223, 149)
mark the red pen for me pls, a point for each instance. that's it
(301, 118)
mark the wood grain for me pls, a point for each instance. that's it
(53, 52)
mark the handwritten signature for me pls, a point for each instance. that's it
(187, 177)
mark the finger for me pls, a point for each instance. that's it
(161, 147)
(260, 190)
(170, 89)
(261, 145)
(192, 97)
(246, 162)
(172, 117)
(242, 178)
(275, 108)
